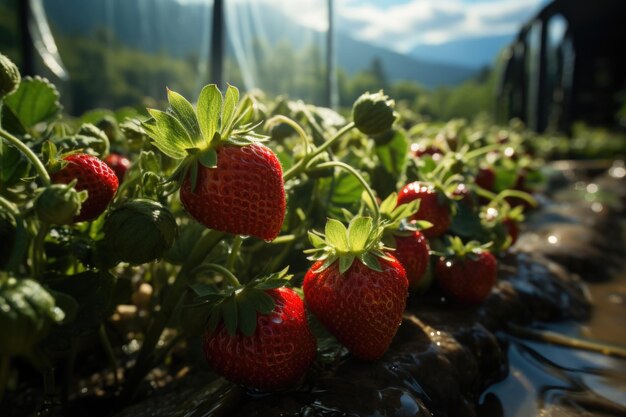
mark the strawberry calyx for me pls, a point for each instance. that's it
(394, 217)
(236, 305)
(194, 136)
(455, 249)
(361, 240)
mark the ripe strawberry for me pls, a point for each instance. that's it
(244, 194)
(413, 253)
(118, 163)
(431, 209)
(92, 175)
(420, 150)
(275, 356)
(468, 277)
(486, 178)
(512, 228)
(362, 307)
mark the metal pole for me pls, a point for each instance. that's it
(331, 73)
(24, 15)
(217, 43)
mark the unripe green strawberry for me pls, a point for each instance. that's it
(275, 356)
(243, 195)
(139, 231)
(9, 76)
(59, 204)
(373, 114)
(93, 176)
(27, 311)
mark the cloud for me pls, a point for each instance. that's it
(401, 25)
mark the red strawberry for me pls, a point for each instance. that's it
(118, 163)
(420, 150)
(412, 252)
(244, 194)
(362, 308)
(277, 354)
(486, 178)
(430, 208)
(468, 279)
(95, 177)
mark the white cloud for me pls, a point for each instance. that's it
(405, 25)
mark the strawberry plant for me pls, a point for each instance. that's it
(198, 206)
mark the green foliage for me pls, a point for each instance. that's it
(35, 101)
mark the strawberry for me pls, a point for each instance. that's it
(275, 356)
(419, 150)
(468, 273)
(412, 252)
(512, 228)
(356, 289)
(118, 163)
(486, 178)
(244, 194)
(431, 208)
(92, 175)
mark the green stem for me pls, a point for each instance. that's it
(4, 373)
(516, 193)
(230, 278)
(28, 153)
(234, 252)
(38, 250)
(173, 299)
(360, 178)
(306, 139)
(481, 151)
(21, 238)
(300, 166)
(108, 349)
(283, 239)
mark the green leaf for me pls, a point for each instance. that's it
(184, 112)
(230, 103)
(393, 155)
(247, 313)
(371, 261)
(345, 262)
(336, 235)
(264, 302)
(35, 101)
(13, 165)
(193, 173)
(169, 135)
(202, 290)
(229, 310)
(208, 158)
(389, 204)
(209, 111)
(316, 241)
(359, 231)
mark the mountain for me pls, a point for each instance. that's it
(471, 52)
(183, 30)
(354, 55)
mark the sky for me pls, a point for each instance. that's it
(401, 25)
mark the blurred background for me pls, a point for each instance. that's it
(548, 63)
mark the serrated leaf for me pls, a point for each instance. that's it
(345, 262)
(336, 235)
(208, 158)
(230, 316)
(184, 112)
(231, 98)
(35, 101)
(209, 111)
(371, 261)
(169, 135)
(359, 231)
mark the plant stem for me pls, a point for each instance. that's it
(108, 349)
(145, 359)
(234, 252)
(306, 139)
(516, 193)
(232, 279)
(21, 238)
(360, 178)
(38, 250)
(299, 167)
(4, 373)
(28, 153)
